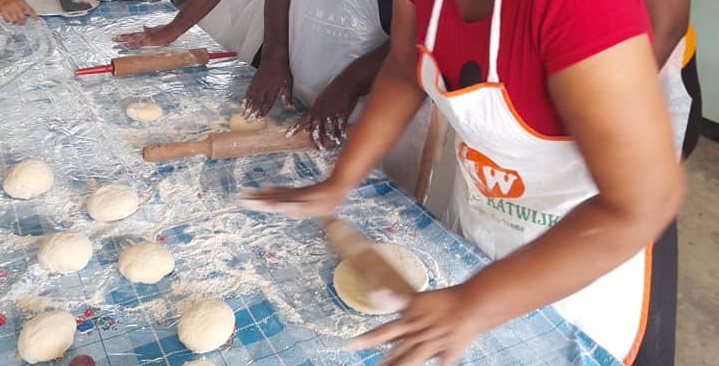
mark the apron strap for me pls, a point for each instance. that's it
(493, 75)
(431, 35)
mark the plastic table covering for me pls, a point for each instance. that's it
(276, 273)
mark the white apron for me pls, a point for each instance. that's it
(677, 97)
(513, 184)
(328, 35)
(237, 25)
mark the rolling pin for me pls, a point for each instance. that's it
(138, 64)
(235, 144)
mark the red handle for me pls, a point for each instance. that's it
(95, 70)
(214, 55)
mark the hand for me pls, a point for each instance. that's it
(312, 201)
(327, 119)
(15, 11)
(434, 324)
(270, 80)
(149, 37)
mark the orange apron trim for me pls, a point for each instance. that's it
(632, 354)
(691, 45)
(505, 94)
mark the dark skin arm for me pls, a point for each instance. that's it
(273, 77)
(327, 119)
(191, 12)
(670, 19)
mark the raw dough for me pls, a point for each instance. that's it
(144, 112)
(238, 122)
(198, 363)
(146, 263)
(353, 292)
(30, 178)
(112, 203)
(65, 252)
(46, 336)
(206, 326)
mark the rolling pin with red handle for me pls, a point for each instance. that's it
(138, 64)
(224, 145)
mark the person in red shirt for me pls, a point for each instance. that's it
(567, 169)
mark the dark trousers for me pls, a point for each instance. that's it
(658, 345)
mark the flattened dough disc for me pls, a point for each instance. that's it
(353, 292)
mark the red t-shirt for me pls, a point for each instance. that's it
(538, 37)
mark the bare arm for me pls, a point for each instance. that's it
(670, 20)
(190, 14)
(393, 100)
(624, 135)
(328, 116)
(273, 76)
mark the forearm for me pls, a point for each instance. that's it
(361, 73)
(670, 20)
(190, 14)
(393, 101)
(589, 242)
(276, 44)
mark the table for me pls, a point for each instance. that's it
(276, 273)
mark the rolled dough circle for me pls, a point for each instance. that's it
(354, 292)
(30, 178)
(198, 363)
(146, 263)
(238, 122)
(113, 202)
(65, 252)
(144, 112)
(206, 326)
(46, 336)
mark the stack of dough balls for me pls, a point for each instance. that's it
(146, 263)
(144, 112)
(28, 179)
(112, 202)
(46, 336)
(206, 326)
(65, 252)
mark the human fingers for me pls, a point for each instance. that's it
(330, 129)
(29, 11)
(286, 95)
(267, 102)
(416, 355)
(316, 134)
(410, 343)
(17, 16)
(302, 123)
(449, 356)
(380, 335)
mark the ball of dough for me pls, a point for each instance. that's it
(65, 252)
(238, 122)
(144, 112)
(46, 336)
(206, 326)
(146, 263)
(355, 293)
(112, 203)
(30, 178)
(198, 363)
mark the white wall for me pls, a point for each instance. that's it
(705, 17)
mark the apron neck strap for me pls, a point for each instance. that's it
(493, 75)
(431, 36)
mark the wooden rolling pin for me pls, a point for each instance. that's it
(138, 64)
(232, 144)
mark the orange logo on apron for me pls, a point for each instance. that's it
(490, 179)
